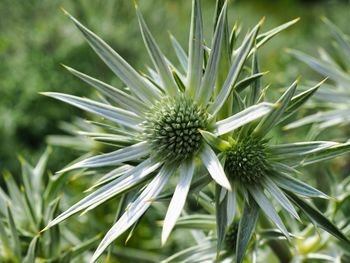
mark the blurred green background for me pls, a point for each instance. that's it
(35, 37)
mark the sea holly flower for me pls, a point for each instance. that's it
(161, 117)
(258, 169)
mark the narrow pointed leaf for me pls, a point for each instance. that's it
(241, 85)
(112, 175)
(179, 198)
(210, 73)
(118, 65)
(272, 119)
(4, 200)
(332, 117)
(250, 114)
(322, 67)
(280, 197)
(5, 240)
(180, 53)
(119, 185)
(125, 100)
(194, 252)
(327, 153)
(318, 218)
(215, 141)
(235, 69)
(339, 37)
(294, 185)
(214, 167)
(135, 210)
(195, 56)
(246, 228)
(255, 87)
(197, 222)
(298, 100)
(231, 205)
(14, 234)
(221, 217)
(132, 152)
(79, 249)
(157, 57)
(30, 257)
(268, 208)
(118, 115)
(299, 149)
(264, 37)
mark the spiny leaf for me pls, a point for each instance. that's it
(135, 210)
(195, 56)
(221, 217)
(277, 193)
(246, 227)
(180, 53)
(118, 115)
(327, 153)
(272, 119)
(16, 245)
(178, 200)
(264, 37)
(123, 99)
(113, 158)
(298, 100)
(292, 184)
(267, 208)
(235, 69)
(249, 114)
(318, 218)
(215, 141)
(118, 65)
(244, 83)
(108, 191)
(210, 73)
(322, 67)
(214, 167)
(157, 57)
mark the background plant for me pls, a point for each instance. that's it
(28, 207)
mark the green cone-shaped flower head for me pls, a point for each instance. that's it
(172, 128)
(246, 160)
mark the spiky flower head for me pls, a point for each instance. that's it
(172, 128)
(246, 160)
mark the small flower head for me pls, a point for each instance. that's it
(246, 160)
(172, 128)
